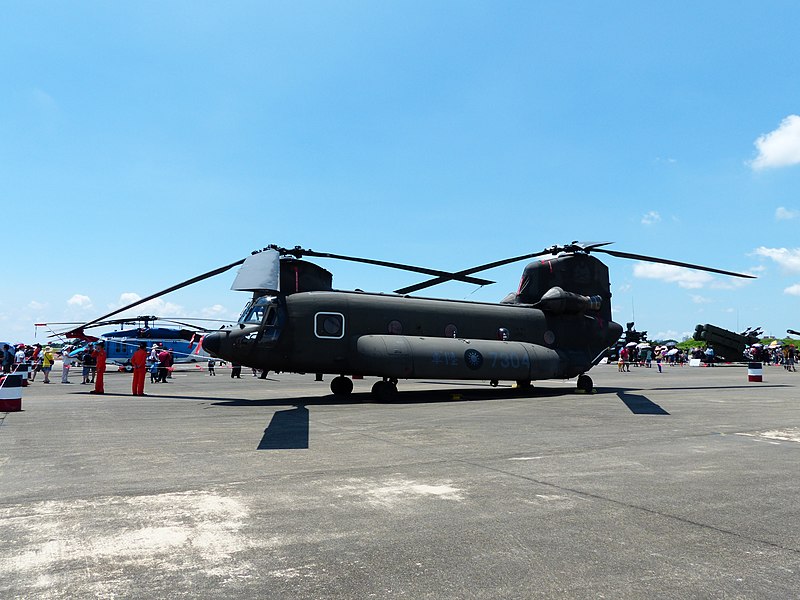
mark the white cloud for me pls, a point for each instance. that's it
(157, 306)
(651, 218)
(779, 148)
(793, 290)
(686, 278)
(786, 214)
(35, 305)
(788, 258)
(671, 334)
(80, 301)
(217, 311)
(698, 299)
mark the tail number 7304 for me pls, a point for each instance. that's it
(506, 360)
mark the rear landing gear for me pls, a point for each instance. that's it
(384, 391)
(341, 386)
(585, 384)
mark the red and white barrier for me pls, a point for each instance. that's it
(23, 369)
(754, 372)
(11, 392)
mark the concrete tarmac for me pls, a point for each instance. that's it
(675, 485)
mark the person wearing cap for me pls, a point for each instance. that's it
(139, 364)
(99, 356)
(47, 363)
(19, 355)
(86, 362)
(66, 364)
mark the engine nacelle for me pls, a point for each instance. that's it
(561, 302)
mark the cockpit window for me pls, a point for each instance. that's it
(254, 313)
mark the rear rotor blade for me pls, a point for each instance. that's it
(498, 263)
(676, 263)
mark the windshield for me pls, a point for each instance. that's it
(253, 313)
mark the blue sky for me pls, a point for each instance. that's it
(143, 143)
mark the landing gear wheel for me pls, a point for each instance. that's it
(341, 386)
(524, 384)
(494, 382)
(585, 384)
(384, 391)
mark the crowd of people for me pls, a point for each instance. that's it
(91, 359)
(644, 355)
(775, 354)
(158, 361)
(35, 358)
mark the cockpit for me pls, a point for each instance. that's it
(265, 311)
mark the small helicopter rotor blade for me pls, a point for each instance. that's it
(173, 288)
(676, 263)
(197, 319)
(498, 263)
(189, 325)
(298, 252)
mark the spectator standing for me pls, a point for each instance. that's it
(66, 364)
(47, 363)
(236, 370)
(36, 361)
(139, 364)
(211, 367)
(625, 355)
(19, 355)
(710, 356)
(163, 366)
(86, 364)
(99, 356)
(8, 358)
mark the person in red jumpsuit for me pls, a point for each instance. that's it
(139, 364)
(99, 356)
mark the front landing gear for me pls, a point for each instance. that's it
(341, 386)
(585, 384)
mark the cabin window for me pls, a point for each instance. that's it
(395, 327)
(329, 325)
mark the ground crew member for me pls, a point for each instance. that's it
(139, 364)
(100, 357)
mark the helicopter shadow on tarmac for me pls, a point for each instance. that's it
(289, 429)
(640, 404)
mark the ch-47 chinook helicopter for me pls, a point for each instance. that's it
(557, 325)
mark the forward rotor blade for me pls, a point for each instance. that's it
(676, 263)
(498, 263)
(167, 291)
(394, 265)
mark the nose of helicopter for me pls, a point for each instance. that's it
(212, 342)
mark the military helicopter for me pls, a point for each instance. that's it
(557, 325)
